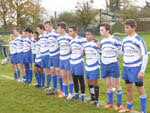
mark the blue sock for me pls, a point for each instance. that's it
(43, 80)
(15, 75)
(30, 75)
(71, 85)
(65, 88)
(27, 75)
(76, 95)
(61, 83)
(40, 78)
(82, 97)
(143, 100)
(129, 105)
(48, 80)
(110, 97)
(55, 81)
(37, 79)
(18, 73)
(119, 97)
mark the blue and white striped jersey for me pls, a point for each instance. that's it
(133, 48)
(44, 44)
(12, 47)
(77, 46)
(53, 43)
(27, 44)
(65, 48)
(37, 52)
(33, 45)
(92, 56)
(19, 42)
(111, 49)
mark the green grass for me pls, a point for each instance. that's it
(20, 98)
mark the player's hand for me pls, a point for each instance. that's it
(82, 54)
(99, 44)
(118, 58)
(140, 75)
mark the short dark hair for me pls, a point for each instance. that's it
(29, 30)
(92, 31)
(74, 27)
(62, 25)
(130, 22)
(48, 22)
(41, 26)
(17, 29)
(107, 27)
(37, 33)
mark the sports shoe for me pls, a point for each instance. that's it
(109, 106)
(53, 91)
(96, 104)
(61, 94)
(119, 107)
(37, 86)
(42, 87)
(70, 96)
(125, 110)
(91, 101)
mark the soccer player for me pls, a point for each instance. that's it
(64, 43)
(77, 61)
(38, 71)
(92, 67)
(44, 50)
(110, 70)
(28, 54)
(13, 55)
(135, 59)
(53, 58)
(20, 60)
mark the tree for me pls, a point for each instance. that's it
(5, 12)
(85, 13)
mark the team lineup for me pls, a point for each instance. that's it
(59, 56)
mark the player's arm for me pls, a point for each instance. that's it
(144, 59)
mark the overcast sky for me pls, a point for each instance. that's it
(67, 5)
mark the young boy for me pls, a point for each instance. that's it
(134, 66)
(44, 50)
(110, 71)
(28, 54)
(53, 58)
(38, 71)
(20, 60)
(13, 55)
(64, 43)
(77, 61)
(92, 65)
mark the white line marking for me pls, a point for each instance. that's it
(100, 102)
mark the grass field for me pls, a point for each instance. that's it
(21, 98)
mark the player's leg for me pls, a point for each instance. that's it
(60, 80)
(48, 72)
(143, 97)
(129, 87)
(91, 89)
(82, 85)
(96, 90)
(76, 86)
(65, 83)
(116, 83)
(71, 84)
(15, 71)
(108, 82)
(23, 72)
(36, 69)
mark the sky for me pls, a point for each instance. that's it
(69, 5)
